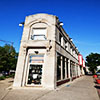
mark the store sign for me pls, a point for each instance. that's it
(37, 59)
(80, 58)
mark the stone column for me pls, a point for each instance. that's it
(61, 67)
(79, 73)
(49, 75)
(68, 68)
(25, 70)
(20, 68)
(83, 71)
(62, 41)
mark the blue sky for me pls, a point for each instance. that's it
(81, 20)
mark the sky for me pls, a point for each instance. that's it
(81, 20)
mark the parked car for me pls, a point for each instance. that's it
(5, 73)
(98, 73)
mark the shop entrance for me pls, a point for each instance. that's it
(35, 74)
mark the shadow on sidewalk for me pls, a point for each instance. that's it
(11, 81)
(89, 74)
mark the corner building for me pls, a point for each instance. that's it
(47, 56)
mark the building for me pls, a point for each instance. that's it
(98, 68)
(47, 57)
(87, 69)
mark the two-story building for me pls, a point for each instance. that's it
(47, 56)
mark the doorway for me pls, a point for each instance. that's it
(35, 74)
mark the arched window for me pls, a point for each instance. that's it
(39, 34)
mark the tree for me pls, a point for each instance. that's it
(3, 58)
(92, 61)
(8, 58)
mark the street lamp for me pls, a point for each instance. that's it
(21, 24)
(60, 23)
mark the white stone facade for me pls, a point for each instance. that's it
(47, 56)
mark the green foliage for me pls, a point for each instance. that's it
(8, 58)
(12, 75)
(2, 77)
(92, 61)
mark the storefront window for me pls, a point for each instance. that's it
(76, 70)
(67, 67)
(73, 69)
(58, 67)
(35, 74)
(35, 69)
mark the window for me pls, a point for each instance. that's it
(71, 49)
(60, 38)
(58, 67)
(35, 69)
(63, 67)
(36, 58)
(66, 45)
(39, 34)
(35, 74)
(67, 67)
(77, 70)
(73, 69)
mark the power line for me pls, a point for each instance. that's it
(7, 42)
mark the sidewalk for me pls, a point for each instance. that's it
(80, 89)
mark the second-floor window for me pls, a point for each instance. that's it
(39, 34)
(60, 37)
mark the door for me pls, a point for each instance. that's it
(35, 74)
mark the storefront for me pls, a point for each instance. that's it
(47, 56)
